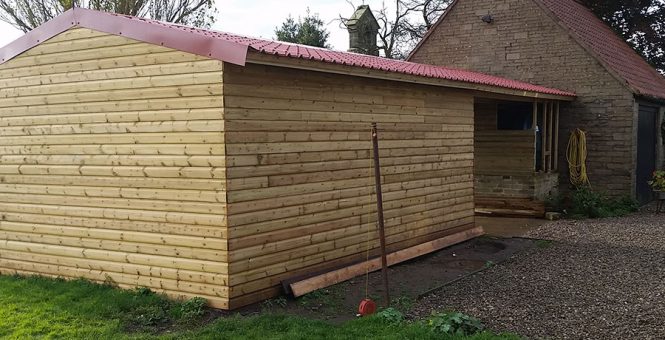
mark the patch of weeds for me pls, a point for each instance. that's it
(144, 291)
(403, 303)
(151, 312)
(390, 315)
(147, 317)
(490, 264)
(543, 243)
(317, 297)
(584, 203)
(454, 323)
(279, 301)
(191, 310)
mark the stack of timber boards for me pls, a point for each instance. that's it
(112, 165)
(300, 179)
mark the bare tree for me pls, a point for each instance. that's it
(198, 13)
(402, 26)
(28, 14)
(429, 11)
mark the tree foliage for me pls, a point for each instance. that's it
(640, 22)
(307, 31)
(28, 14)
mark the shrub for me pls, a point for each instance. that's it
(586, 203)
(454, 323)
(657, 181)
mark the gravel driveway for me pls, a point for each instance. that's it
(599, 279)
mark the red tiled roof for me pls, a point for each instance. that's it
(233, 48)
(608, 47)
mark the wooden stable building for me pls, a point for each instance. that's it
(200, 163)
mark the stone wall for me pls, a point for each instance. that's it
(508, 186)
(536, 185)
(525, 43)
(544, 185)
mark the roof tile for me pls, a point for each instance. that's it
(611, 49)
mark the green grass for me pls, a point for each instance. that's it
(32, 307)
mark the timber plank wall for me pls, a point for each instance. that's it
(501, 151)
(504, 159)
(112, 165)
(300, 185)
(128, 162)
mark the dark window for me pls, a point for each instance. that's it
(514, 116)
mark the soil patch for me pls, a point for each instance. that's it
(408, 280)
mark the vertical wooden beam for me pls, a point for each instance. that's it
(543, 142)
(535, 116)
(556, 138)
(550, 135)
(535, 135)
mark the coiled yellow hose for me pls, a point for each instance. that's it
(576, 155)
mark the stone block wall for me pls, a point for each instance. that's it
(525, 43)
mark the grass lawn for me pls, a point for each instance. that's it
(39, 307)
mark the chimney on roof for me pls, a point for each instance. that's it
(363, 28)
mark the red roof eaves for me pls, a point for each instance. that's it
(234, 48)
(129, 27)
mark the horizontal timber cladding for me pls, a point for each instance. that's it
(300, 177)
(112, 165)
(504, 159)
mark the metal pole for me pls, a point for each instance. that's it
(379, 210)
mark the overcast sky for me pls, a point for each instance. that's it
(260, 17)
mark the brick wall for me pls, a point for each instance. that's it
(524, 43)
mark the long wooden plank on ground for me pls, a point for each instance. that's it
(495, 212)
(506, 206)
(324, 280)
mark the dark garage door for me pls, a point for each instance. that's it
(646, 151)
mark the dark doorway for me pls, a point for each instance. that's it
(646, 151)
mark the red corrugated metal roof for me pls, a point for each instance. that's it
(608, 47)
(384, 64)
(233, 48)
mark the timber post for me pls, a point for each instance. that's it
(379, 211)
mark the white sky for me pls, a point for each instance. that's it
(259, 18)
